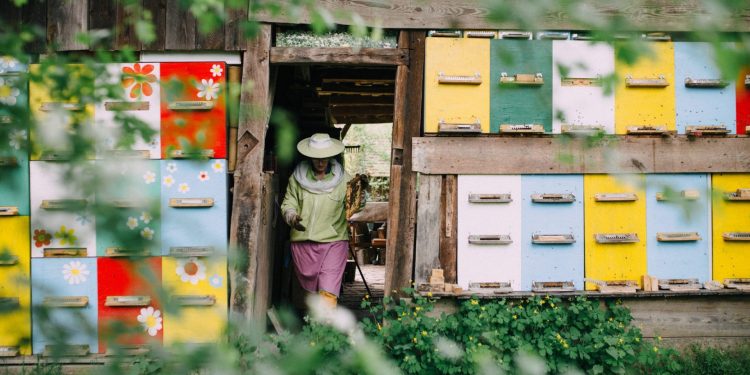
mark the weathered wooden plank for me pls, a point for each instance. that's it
(125, 31)
(265, 255)
(213, 40)
(65, 20)
(158, 11)
(407, 123)
(662, 15)
(102, 15)
(180, 27)
(692, 316)
(428, 227)
(34, 15)
(361, 56)
(561, 155)
(244, 230)
(234, 35)
(449, 229)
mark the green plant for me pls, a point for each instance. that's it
(711, 361)
(574, 332)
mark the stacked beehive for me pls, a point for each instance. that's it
(541, 232)
(101, 237)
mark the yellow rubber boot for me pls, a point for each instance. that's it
(329, 298)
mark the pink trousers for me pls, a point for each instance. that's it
(320, 266)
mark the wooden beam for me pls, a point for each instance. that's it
(158, 10)
(363, 119)
(639, 15)
(343, 100)
(428, 227)
(449, 229)
(234, 33)
(65, 20)
(362, 111)
(407, 123)
(180, 27)
(561, 155)
(351, 56)
(245, 232)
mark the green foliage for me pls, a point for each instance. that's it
(574, 332)
(697, 360)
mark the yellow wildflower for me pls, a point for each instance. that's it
(474, 302)
(424, 333)
(414, 339)
(515, 316)
(656, 349)
(429, 294)
(312, 343)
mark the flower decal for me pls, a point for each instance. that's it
(9, 92)
(216, 281)
(17, 139)
(184, 188)
(147, 233)
(138, 79)
(208, 89)
(132, 223)
(150, 318)
(171, 167)
(7, 64)
(217, 166)
(149, 177)
(66, 236)
(168, 181)
(41, 238)
(146, 217)
(203, 176)
(191, 270)
(216, 70)
(83, 219)
(75, 272)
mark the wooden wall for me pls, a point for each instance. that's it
(59, 21)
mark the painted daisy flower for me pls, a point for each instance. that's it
(17, 138)
(216, 70)
(218, 166)
(208, 89)
(75, 272)
(216, 281)
(147, 233)
(132, 223)
(184, 188)
(171, 167)
(8, 92)
(149, 177)
(150, 318)
(203, 176)
(7, 63)
(146, 217)
(191, 270)
(168, 181)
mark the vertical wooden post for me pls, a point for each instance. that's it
(66, 19)
(427, 256)
(245, 233)
(407, 123)
(449, 228)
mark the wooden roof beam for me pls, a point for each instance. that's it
(339, 56)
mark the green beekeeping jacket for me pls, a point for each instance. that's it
(323, 214)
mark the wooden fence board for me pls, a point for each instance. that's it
(179, 28)
(65, 20)
(158, 10)
(449, 229)
(428, 227)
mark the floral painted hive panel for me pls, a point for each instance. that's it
(131, 222)
(135, 105)
(57, 106)
(14, 154)
(197, 287)
(675, 204)
(65, 289)
(15, 292)
(130, 313)
(193, 109)
(193, 205)
(61, 220)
